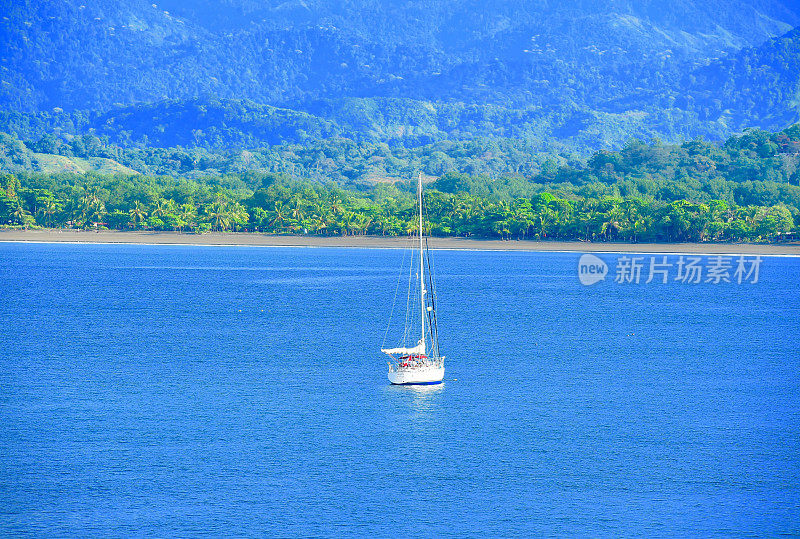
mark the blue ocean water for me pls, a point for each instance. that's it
(177, 391)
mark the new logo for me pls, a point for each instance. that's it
(591, 269)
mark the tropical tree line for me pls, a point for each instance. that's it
(284, 206)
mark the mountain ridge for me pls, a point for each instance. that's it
(578, 75)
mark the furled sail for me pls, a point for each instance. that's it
(419, 349)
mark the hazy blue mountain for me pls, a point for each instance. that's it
(755, 86)
(579, 74)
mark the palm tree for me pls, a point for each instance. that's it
(335, 203)
(93, 209)
(72, 212)
(218, 215)
(296, 210)
(320, 217)
(349, 222)
(520, 224)
(163, 207)
(187, 213)
(465, 217)
(96, 211)
(501, 228)
(639, 227)
(612, 219)
(675, 222)
(562, 215)
(411, 226)
(21, 216)
(137, 213)
(630, 210)
(92, 196)
(545, 218)
(237, 214)
(362, 223)
(279, 214)
(310, 224)
(48, 208)
(749, 214)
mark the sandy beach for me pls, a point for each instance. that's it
(377, 242)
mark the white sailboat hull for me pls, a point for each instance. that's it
(417, 375)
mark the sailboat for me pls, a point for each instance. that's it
(422, 362)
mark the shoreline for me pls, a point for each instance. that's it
(378, 242)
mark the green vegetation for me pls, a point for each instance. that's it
(338, 159)
(745, 190)
(238, 74)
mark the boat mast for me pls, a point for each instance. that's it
(421, 262)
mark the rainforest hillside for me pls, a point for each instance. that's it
(573, 76)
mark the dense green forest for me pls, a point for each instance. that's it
(338, 159)
(227, 75)
(753, 87)
(747, 189)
